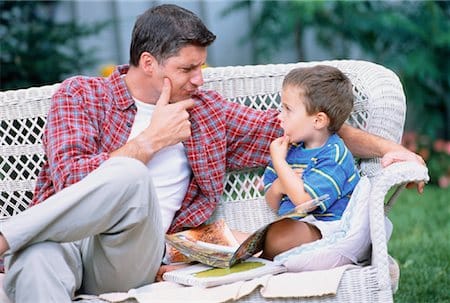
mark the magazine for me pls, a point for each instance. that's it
(202, 275)
(215, 233)
(194, 247)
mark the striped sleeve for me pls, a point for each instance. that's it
(269, 176)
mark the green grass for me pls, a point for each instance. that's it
(421, 244)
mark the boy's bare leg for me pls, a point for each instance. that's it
(286, 234)
(239, 235)
(4, 246)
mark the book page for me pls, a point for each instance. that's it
(215, 233)
(206, 276)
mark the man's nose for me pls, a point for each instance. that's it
(197, 77)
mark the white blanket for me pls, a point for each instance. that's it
(287, 285)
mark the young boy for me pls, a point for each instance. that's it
(310, 160)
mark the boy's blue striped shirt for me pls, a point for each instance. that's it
(327, 170)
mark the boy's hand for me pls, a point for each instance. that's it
(279, 148)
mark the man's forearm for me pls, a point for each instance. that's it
(365, 145)
(138, 148)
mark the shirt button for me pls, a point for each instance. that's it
(129, 124)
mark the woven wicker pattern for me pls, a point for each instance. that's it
(22, 119)
(379, 109)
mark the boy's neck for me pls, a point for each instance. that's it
(317, 140)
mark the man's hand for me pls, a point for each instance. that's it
(170, 121)
(404, 155)
(169, 125)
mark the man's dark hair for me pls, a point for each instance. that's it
(326, 89)
(163, 30)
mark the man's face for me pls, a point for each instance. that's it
(184, 71)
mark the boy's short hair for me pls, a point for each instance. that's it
(326, 89)
(165, 29)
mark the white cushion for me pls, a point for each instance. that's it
(350, 244)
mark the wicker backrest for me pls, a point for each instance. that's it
(379, 108)
(22, 118)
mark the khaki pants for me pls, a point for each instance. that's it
(102, 234)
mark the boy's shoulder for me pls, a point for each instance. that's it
(335, 148)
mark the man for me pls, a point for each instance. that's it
(131, 157)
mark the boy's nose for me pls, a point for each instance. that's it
(280, 116)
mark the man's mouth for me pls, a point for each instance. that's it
(191, 91)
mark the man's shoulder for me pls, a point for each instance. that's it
(208, 95)
(85, 89)
(83, 83)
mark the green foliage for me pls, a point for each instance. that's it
(36, 49)
(410, 37)
(420, 243)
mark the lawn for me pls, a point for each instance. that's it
(421, 244)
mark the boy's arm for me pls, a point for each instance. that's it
(290, 181)
(274, 194)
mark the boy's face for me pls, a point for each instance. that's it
(295, 121)
(184, 71)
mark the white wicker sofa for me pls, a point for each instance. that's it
(379, 109)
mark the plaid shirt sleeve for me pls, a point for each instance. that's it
(249, 134)
(70, 138)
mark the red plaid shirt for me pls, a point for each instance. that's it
(91, 117)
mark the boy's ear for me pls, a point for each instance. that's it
(147, 62)
(321, 120)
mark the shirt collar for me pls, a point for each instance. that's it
(122, 97)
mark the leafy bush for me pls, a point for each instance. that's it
(436, 153)
(410, 37)
(38, 50)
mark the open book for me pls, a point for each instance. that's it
(192, 244)
(207, 276)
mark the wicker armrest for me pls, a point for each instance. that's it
(395, 174)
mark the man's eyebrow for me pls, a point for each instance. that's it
(191, 65)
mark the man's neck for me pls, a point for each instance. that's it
(139, 87)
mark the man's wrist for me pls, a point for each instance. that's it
(139, 148)
(144, 148)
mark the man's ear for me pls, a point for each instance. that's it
(321, 120)
(147, 62)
